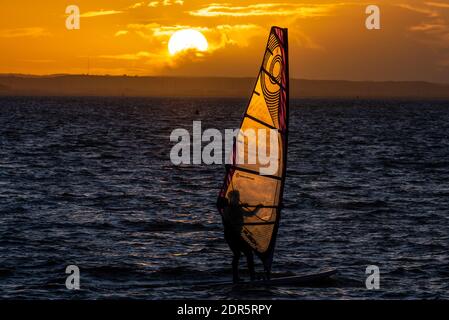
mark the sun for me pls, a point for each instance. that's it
(187, 39)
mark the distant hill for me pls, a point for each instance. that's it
(3, 89)
(83, 85)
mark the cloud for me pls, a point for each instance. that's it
(152, 30)
(438, 4)
(427, 27)
(240, 27)
(136, 5)
(33, 32)
(102, 12)
(265, 9)
(217, 37)
(239, 34)
(121, 33)
(172, 2)
(220, 37)
(165, 3)
(426, 11)
(434, 24)
(432, 30)
(142, 60)
(128, 56)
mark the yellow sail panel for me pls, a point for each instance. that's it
(255, 189)
(259, 148)
(258, 108)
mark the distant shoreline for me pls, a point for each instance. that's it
(137, 86)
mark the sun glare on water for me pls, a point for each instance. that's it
(187, 39)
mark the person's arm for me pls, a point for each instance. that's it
(248, 212)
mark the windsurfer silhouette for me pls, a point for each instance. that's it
(233, 216)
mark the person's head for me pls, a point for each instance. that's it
(234, 198)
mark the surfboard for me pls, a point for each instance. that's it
(296, 280)
(305, 279)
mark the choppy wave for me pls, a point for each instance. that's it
(88, 181)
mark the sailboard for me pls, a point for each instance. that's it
(307, 279)
(268, 109)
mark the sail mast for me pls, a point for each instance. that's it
(285, 149)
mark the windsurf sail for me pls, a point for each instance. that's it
(267, 110)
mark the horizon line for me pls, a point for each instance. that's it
(202, 77)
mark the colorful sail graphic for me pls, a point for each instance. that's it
(266, 111)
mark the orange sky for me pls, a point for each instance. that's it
(328, 39)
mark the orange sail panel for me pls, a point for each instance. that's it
(266, 111)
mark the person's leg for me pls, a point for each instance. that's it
(235, 248)
(235, 265)
(248, 251)
(250, 261)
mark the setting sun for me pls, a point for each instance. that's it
(187, 39)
